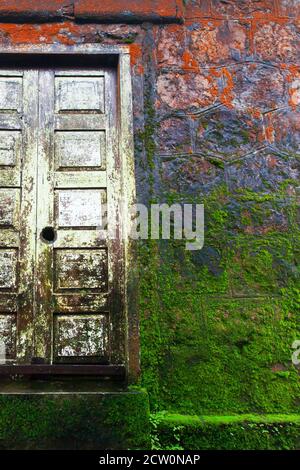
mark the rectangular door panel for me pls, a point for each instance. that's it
(79, 208)
(78, 338)
(9, 207)
(8, 334)
(8, 269)
(11, 94)
(79, 94)
(79, 150)
(81, 269)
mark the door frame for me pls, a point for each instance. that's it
(126, 151)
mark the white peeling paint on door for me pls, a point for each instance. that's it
(61, 298)
(18, 156)
(80, 149)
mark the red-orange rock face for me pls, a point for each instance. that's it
(277, 42)
(220, 42)
(242, 8)
(196, 90)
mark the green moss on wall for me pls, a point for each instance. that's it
(74, 421)
(218, 324)
(241, 432)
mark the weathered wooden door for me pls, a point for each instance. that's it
(61, 275)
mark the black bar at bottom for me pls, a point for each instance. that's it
(201, 459)
(63, 369)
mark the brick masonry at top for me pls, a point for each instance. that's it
(93, 10)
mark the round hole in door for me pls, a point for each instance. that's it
(48, 235)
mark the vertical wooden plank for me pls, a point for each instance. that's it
(43, 324)
(28, 218)
(126, 145)
(115, 234)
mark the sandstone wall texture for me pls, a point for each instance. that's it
(217, 120)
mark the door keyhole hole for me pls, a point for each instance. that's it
(48, 235)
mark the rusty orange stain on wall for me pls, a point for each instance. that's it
(293, 99)
(136, 56)
(189, 63)
(40, 33)
(269, 130)
(135, 8)
(226, 96)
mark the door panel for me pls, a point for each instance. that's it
(81, 337)
(8, 332)
(79, 94)
(61, 275)
(77, 150)
(81, 269)
(11, 91)
(79, 208)
(18, 158)
(77, 301)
